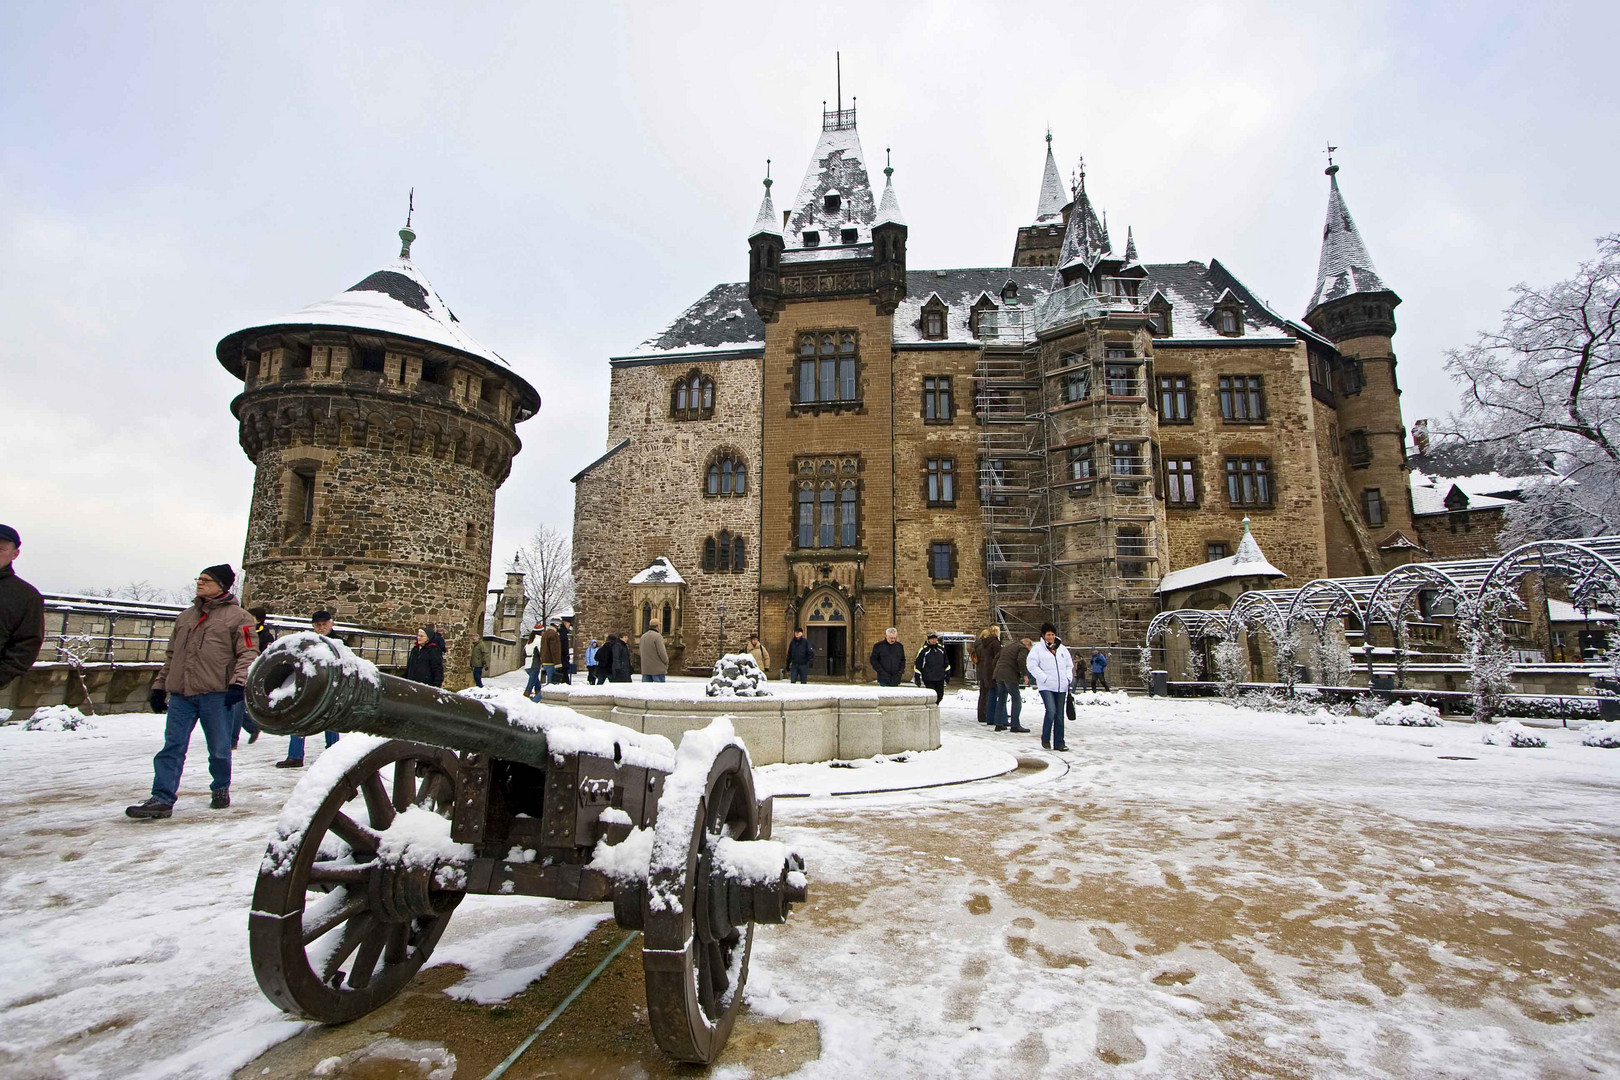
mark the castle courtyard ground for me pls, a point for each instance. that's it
(1196, 890)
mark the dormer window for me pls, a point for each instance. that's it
(831, 202)
(812, 238)
(933, 319)
(977, 313)
(849, 236)
(1009, 291)
(1159, 318)
(1228, 317)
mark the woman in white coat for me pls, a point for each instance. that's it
(1052, 668)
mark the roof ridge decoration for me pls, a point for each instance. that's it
(1049, 209)
(1131, 258)
(1085, 242)
(1345, 268)
(889, 208)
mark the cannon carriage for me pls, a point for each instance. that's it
(436, 795)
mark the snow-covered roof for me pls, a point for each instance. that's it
(889, 207)
(838, 167)
(1193, 291)
(1345, 267)
(959, 290)
(1054, 197)
(1483, 491)
(1085, 242)
(766, 223)
(1249, 562)
(722, 319)
(1561, 611)
(659, 573)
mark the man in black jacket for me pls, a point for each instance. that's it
(22, 613)
(889, 658)
(799, 655)
(933, 667)
(618, 662)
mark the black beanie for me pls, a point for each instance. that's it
(222, 574)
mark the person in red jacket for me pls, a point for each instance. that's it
(212, 646)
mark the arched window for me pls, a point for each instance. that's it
(741, 481)
(807, 516)
(846, 516)
(726, 468)
(723, 546)
(692, 397)
(646, 616)
(739, 556)
(727, 474)
(669, 619)
(680, 396)
(725, 553)
(708, 554)
(714, 480)
(828, 532)
(708, 395)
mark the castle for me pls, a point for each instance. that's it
(379, 430)
(843, 443)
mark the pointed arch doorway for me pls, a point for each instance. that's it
(827, 625)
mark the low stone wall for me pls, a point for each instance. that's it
(793, 728)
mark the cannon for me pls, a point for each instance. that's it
(437, 795)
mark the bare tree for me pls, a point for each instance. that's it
(1548, 384)
(142, 592)
(546, 560)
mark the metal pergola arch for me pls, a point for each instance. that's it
(1587, 562)
(1329, 598)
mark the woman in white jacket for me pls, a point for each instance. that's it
(1052, 668)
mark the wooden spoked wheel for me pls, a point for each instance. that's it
(335, 931)
(694, 958)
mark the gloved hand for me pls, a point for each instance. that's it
(159, 701)
(233, 696)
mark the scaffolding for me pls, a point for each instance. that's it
(1074, 531)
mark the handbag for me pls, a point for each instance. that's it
(1068, 706)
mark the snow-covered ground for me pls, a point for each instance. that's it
(1195, 890)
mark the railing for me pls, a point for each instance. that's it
(1076, 302)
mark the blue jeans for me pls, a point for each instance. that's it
(550, 672)
(240, 720)
(888, 682)
(654, 678)
(1010, 696)
(995, 714)
(295, 745)
(1052, 726)
(478, 676)
(185, 710)
(799, 673)
(534, 682)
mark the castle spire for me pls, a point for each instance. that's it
(766, 222)
(1345, 268)
(889, 207)
(1085, 242)
(1131, 257)
(1049, 210)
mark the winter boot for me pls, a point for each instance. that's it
(219, 799)
(253, 737)
(1020, 729)
(291, 763)
(150, 809)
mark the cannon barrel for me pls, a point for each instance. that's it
(305, 684)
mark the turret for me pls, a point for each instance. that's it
(1038, 242)
(1350, 299)
(765, 257)
(889, 246)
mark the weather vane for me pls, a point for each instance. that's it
(410, 207)
(1330, 149)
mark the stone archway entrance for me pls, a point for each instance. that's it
(827, 624)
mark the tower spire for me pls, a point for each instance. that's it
(889, 206)
(1345, 267)
(1085, 241)
(407, 235)
(1049, 210)
(766, 221)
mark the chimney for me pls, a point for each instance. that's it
(1420, 435)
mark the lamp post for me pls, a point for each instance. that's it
(722, 610)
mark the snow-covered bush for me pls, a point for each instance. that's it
(1231, 662)
(1342, 708)
(1305, 701)
(1323, 716)
(1411, 714)
(1512, 733)
(57, 718)
(737, 675)
(1261, 700)
(1332, 655)
(1371, 705)
(1604, 733)
(1144, 666)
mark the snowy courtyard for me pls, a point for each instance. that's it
(1195, 890)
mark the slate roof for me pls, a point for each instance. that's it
(661, 572)
(838, 165)
(960, 290)
(1345, 268)
(1054, 197)
(1085, 241)
(721, 320)
(1193, 290)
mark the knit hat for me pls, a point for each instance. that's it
(8, 533)
(321, 616)
(223, 574)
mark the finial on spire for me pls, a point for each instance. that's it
(767, 176)
(1077, 180)
(1048, 136)
(1331, 168)
(408, 234)
(888, 163)
(1245, 524)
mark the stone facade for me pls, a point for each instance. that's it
(379, 433)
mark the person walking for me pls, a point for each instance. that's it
(799, 656)
(478, 660)
(203, 673)
(888, 659)
(1009, 678)
(565, 645)
(532, 652)
(550, 652)
(425, 664)
(985, 651)
(1099, 669)
(619, 662)
(321, 623)
(1052, 667)
(22, 613)
(240, 720)
(654, 656)
(591, 652)
(933, 667)
(761, 655)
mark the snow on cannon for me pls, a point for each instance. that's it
(441, 794)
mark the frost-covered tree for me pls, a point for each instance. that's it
(1548, 384)
(546, 560)
(1144, 665)
(1332, 655)
(1231, 663)
(77, 650)
(1484, 641)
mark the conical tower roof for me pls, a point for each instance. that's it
(1085, 243)
(766, 223)
(1345, 268)
(1049, 210)
(889, 207)
(838, 167)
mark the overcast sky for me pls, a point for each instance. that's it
(170, 173)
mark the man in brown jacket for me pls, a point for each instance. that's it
(212, 646)
(551, 653)
(654, 656)
(985, 651)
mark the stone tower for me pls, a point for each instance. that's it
(1353, 308)
(379, 430)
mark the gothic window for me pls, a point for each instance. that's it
(1360, 449)
(827, 366)
(933, 319)
(1181, 481)
(941, 486)
(727, 475)
(938, 405)
(1372, 501)
(807, 516)
(1248, 481)
(709, 562)
(646, 616)
(739, 555)
(827, 528)
(1175, 399)
(847, 513)
(692, 397)
(1243, 398)
(1216, 549)
(725, 553)
(942, 560)
(669, 619)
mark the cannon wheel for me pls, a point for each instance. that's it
(695, 960)
(334, 935)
